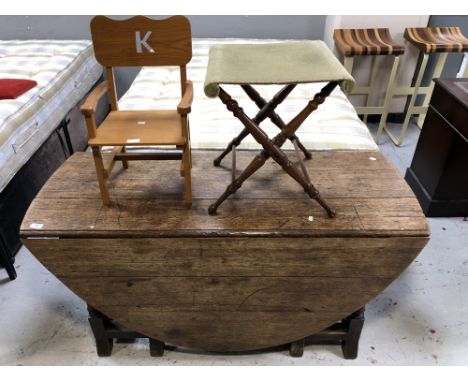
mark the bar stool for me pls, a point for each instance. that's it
(429, 41)
(369, 42)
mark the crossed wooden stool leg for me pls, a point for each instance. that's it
(272, 148)
(267, 110)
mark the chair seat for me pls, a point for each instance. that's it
(366, 42)
(437, 40)
(140, 128)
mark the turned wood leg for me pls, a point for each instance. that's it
(272, 147)
(235, 142)
(266, 110)
(282, 159)
(355, 323)
(274, 117)
(301, 162)
(97, 321)
(307, 153)
(296, 348)
(256, 163)
(156, 348)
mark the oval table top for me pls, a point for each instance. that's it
(269, 269)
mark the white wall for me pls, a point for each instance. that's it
(361, 71)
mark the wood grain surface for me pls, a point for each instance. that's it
(140, 128)
(366, 42)
(115, 41)
(256, 275)
(437, 39)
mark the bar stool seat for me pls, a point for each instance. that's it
(372, 42)
(437, 40)
(366, 42)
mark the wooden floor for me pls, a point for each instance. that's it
(259, 274)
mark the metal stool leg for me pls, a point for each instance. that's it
(348, 64)
(388, 97)
(427, 96)
(465, 62)
(370, 94)
(411, 107)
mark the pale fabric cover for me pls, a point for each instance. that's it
(333, 126)
(297, 62)
(64, 70)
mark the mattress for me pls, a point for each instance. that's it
(64, 70)
(333, 126)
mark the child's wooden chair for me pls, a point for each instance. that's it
(140, 41)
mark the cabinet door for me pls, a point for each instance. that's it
(432, 151)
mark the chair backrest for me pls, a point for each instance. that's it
(141, 41)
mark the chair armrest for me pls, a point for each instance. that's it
(185, 105)
(89, 106)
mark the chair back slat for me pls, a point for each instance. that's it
(141, 41)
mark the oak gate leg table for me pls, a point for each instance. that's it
(288, 63)
(258, 275)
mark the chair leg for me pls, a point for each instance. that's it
(101, 175)
(182, 168)
(124, 162)
(187, 163)
(189, 142)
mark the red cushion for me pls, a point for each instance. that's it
(11, 88)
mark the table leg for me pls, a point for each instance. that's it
(355, 323)
(296, 348)
(7, 261)
(265, 111)
(156, 348)
(98, 322)
(272, 147)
